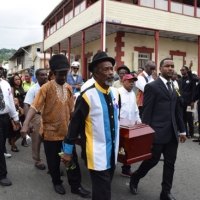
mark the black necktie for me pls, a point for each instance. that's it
(2, 102)
(169, 88)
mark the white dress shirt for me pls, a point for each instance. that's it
(141, 82)
(31, 94)
(8, 99)
(129, 109)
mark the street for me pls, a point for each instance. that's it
(29, 183)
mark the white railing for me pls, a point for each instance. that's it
(147, 3)
(198, 12)
(188, 10)
(176, 7)
(79, 8)
(68, 16)
(161, 4)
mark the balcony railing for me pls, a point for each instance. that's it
(175, 7)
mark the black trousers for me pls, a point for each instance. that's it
(101, 184)
(188, 119)
(4, 127)
(52, 148)
(169, 151)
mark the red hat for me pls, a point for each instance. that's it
(128, 77)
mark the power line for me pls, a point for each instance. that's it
(19, 28)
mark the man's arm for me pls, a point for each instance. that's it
(26, 108)
(179, 121)
(140, 83)
(25, 129)
(148, 103)
(80, 114)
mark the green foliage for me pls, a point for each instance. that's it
(5, 54)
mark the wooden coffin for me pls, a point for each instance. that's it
(135, 142)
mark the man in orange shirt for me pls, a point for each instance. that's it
(55, 101)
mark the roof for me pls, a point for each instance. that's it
(55, 10)
(20, 51)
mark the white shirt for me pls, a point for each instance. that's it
(8, 99)
(87, 84)
(32, 93)
(129, 109)
(141, 82)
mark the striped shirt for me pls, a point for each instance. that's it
(96, 112)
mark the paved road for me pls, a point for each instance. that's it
(30, 183)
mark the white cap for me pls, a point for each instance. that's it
(194, 72)
(75, 64)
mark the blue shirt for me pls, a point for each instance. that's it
(31, 94)
(70, 80)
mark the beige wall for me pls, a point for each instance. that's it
(165, 45)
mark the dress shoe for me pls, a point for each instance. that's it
(5, 182)
(134, 183)
(41, 167)
(59, 189)
(166, 197)
(80, 191)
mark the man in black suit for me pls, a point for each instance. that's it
(187, 87)
(161, 111)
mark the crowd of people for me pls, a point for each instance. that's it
(92, 110)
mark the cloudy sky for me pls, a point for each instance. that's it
(20, 21)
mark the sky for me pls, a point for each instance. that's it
(20, 21)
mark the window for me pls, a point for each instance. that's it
(142, 59)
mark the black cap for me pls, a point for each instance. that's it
(100, 57)
(59, 62)
(123, 67)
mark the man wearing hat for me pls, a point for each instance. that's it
(74, 78)
(129, 109)
(121, 71)
(55, 101)
(97, 113)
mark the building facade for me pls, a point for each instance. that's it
(28, 57)
(131, 31)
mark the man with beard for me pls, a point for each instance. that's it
(97, 112)
(41, 76)
(74, 78)
(161, 111)
(56, 101)
(121, 71)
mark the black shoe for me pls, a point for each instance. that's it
(59, 189)
(41, 167)
(80, 191)
(134, 183)
(166, 197)
(5, 182)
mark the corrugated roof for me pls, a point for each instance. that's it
(55, 10)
